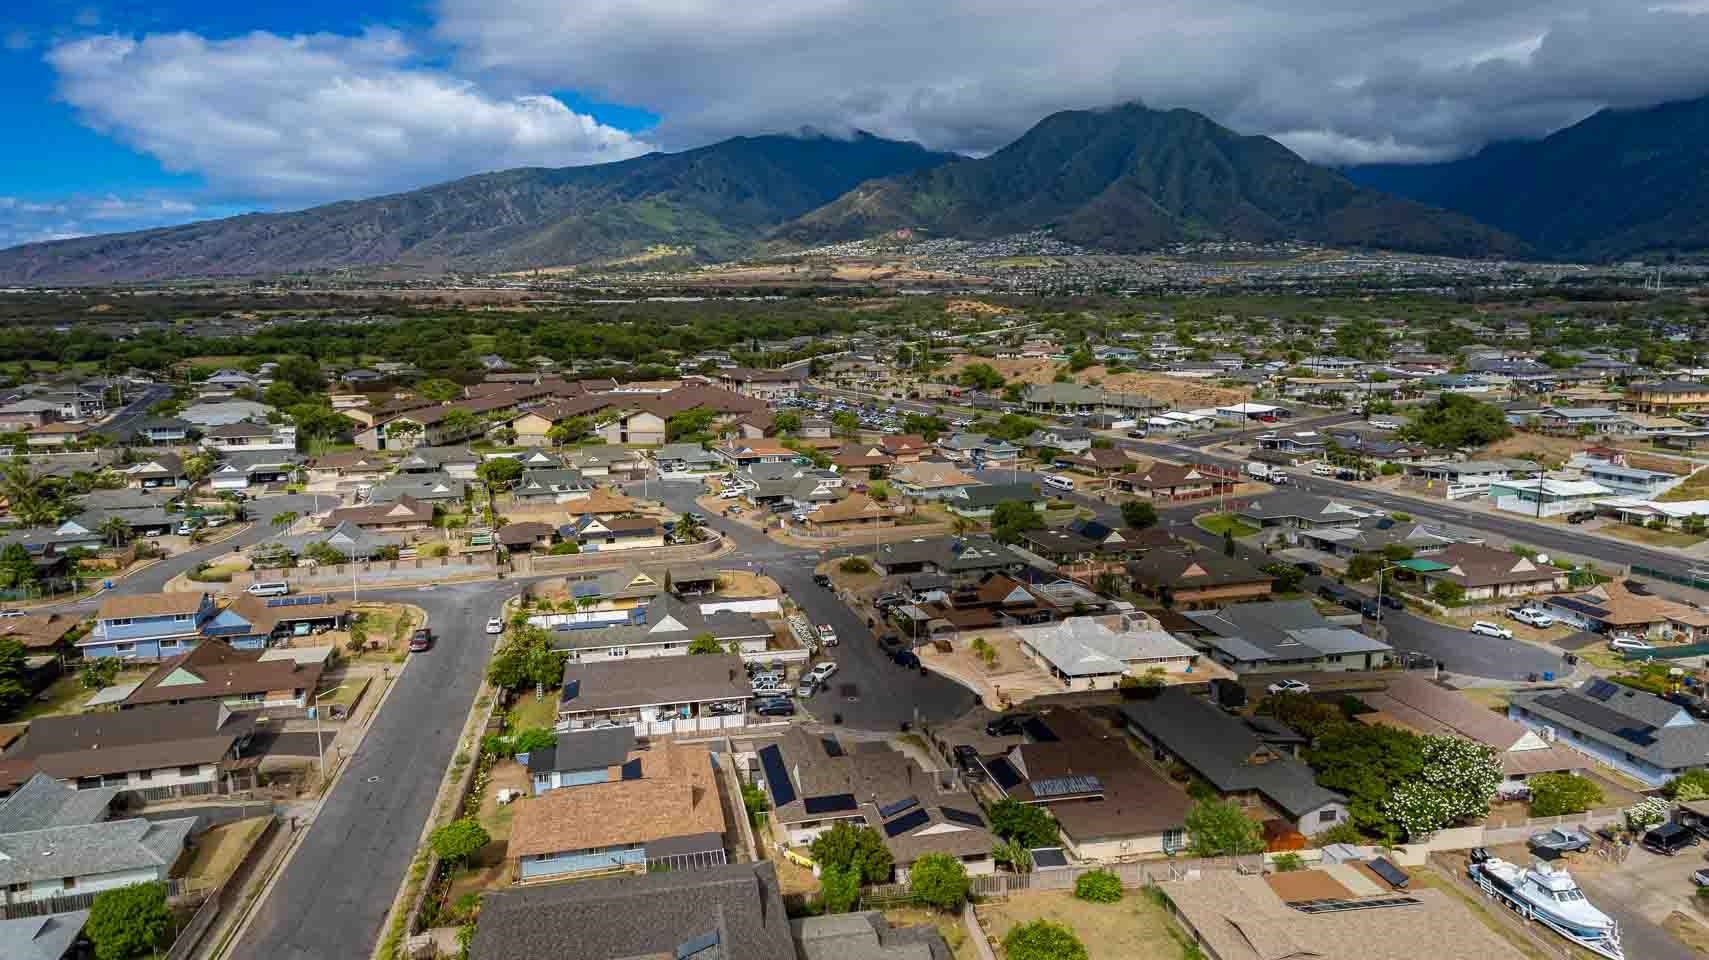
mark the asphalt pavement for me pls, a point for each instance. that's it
(125, 420)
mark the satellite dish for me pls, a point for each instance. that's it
(1543, 558)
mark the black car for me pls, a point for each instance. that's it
(1007, 725)
(905, 658)
(775, 707)
(820, 580)
(967, 759)
(1580, 516)
(1370, 609)
(1393, 602)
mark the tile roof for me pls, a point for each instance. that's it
(740, 903)
(617, 684)
(676, 796)
(139, 605)
(213, 669)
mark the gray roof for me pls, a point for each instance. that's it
(1285, 630)
(1305, 507)
(865, 936)
(111, 846)
(41, 938)
(950, 554)
(1628, 720)
(621, 684)
(584, 750)
(44, 802)
(1221, 749)
(689, 452)
(668, 620)
(435, 458)
(345, 538)
(737, 906)
(989, 495)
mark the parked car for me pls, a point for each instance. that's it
(807, 686)
(822, 671)
(1309, 568)
(1560, 840)
(1289, 686)
(828, 636)
(967, 759)
(1370, 609)
(1580, 516)
(1629, 645)
(905, 658)
(821, 580)
(1393, 602)
(1670, 838)
(774, 707)
(1700, 877)
(1531, 617)
(885, 601)
(1488, 629)
(495, 625)
(421, 640)
(1007, 725)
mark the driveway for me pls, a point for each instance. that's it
(1640, 894)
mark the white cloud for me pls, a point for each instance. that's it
(1340, 79)
(33, 220)
(308, 118)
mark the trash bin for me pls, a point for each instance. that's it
(1548, 676)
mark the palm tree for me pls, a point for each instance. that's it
(584, 604)
(688, 528)
(197, 468)
(962, 526)
(115, 531)
(282, 521)
(29, 498)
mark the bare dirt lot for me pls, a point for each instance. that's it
(1132, 927)
(1175, 392)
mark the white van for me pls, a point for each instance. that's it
(1058, 481)
(1323, 468)
(270, 588)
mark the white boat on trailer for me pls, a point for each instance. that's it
(1550, 897)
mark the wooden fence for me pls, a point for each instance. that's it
(177, 891)
(1132, 875)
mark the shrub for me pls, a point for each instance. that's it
(1448, 593)
(938, 880)
(1288, 862)
(128, 921)
(459, 840)
(855, 565)
(96, 674)
(1220, 828)
(1390, 469)
(756, 802)
(1690, 785)
(859, 849)
(436, 550)
(532, 739)
(1556, 794)
(561, 549)
(1343, 832)
(1098, 886)
(839, 888)
(1042, 940)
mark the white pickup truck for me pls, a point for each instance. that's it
(827, 635)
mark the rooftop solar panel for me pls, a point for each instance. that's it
(1602, 718)
(892, 809)
(1601, 689)
(905, 823)
(962, 817)
(832, 803)
(632, 769)
(777, 776)
(1067, 786)
(1003, 773)
(697, 945)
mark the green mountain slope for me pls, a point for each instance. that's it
(715, 199)
(1619, 183)
(1132, 178)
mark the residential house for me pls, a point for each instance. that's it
(860, 459)
(1107, 804)
(534, 427)
(243, 470)
(1065, 439)
(1095, 653)
(1289, 512)
(251, 623)
(162, 471)
(1668, 397)
(147, 626)
(983, 451)
(616, 533)
(1414, 703)
(1640, 734)
(346, 538)
(1236, 758)
(58, 841)
(1578, 421)
(1544, 497)
(686, 459)
(580, 757)
(1193, 578)
(905, 447)
(980, 502)
(745, 453)
(247, 435)
(459, 463)
(612, 463)
(1079, 399)
(551, 486)
(1373, 535)
(1085, 548)
(1099, 461)
(762, 423)
(662, 810)
(766, 484)
(708, 692)
(1616, 610)
(40, 633)
(429, 488)
(285, 677)
(1177, 482)
(929, 480)
(188, 747)
(815, 782)
(662, 627)
(1487, 574)
(403, 514)
(1285, 636)
(525, 536)
(851, 514)
(1237, 917)
(1624, 481)
(347, 465)
(718, 913)
(229, 380)
(58, 434)
(49, 937)
(959, 558)
(27, 414)
(1469, 478)
(162, 431)
(208, 415)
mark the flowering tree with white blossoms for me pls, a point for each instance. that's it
(1457, 782)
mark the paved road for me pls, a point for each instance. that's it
(883, 695)
(332, 898)
(128, 416)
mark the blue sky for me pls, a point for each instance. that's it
(125, 114)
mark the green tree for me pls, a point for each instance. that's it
(1690, 785)
(17, 570)
(1448, 593)
(1081, 359)
(846, 422)
(114, 531)
(705, 643)
(924, 425)
(1098, 886)
(1013, 426)
(786, 421)
(1031, 827)
(1228, 546)
(1558, 794)
(1011, 518)
(980, 376)
(27, 495)
(457, 841)
(1287, 576)
(690, 426)
(128, 921)
(568, 430)
(459, 424)
(1220, 828)
(1139, 514)
(1014, 392)
(1456, 420)
(438, 390)
(860, 849)
(839, 888)
(14, 673)
(938, 880)
(98, 673)
(303, 374)
(527, 659)
(1363, 566)
(688, 529)
(1042, 940)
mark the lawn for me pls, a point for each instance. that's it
(1134, 927)
(67, 694)
(221, 849)
(1652, 538)
(529, 712)
(1221, 523)
(346, 694)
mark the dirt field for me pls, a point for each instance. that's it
(221, 849)
(1134, 927)
(1176, 392)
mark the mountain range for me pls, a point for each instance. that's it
(1617, 184)
(1123, 179)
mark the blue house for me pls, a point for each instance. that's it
(149, 626)
(582, 757)
(1640, 734)
(248, 623)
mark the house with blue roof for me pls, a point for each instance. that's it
(149, 626)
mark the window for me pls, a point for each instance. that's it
(1174, 840)
(69, 883)
(124, 647)
(183, 617)
(168, 644)
(1328, 816)
(119, 622)
(189, 771)
(145, 775)
(617, 652)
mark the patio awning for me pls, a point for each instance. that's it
(1421, 565)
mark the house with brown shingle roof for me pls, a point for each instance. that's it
(1416, 704)
(930, 480)
(238, 678)
(38, 632)
(905, 447)
(165, 745)
(661, 812)
(1174, 481)
(857, 511)
(1613, 608)
(1485, 573)
(860, 458)
(404, 513)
